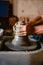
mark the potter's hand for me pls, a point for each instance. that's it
(23, 30)
(37, 24)
(26, 30)
(38, 29)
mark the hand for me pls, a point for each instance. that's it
(26, 30)
(38, 29)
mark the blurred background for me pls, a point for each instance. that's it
(30, 12)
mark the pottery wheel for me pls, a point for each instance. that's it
(9, 45)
